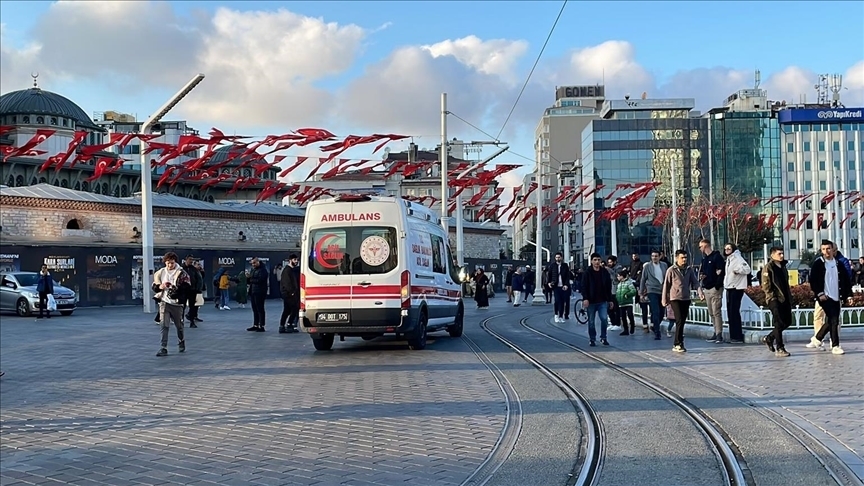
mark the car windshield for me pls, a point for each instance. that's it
(29, 279)
(353, 250)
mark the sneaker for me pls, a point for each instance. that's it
(736, 341)
(162, 352)
(712, 339)
(668, 334)
(679, 349)
(816, 344)
(837, 350)
(242, 306)
(252, 329)
(657, 336)
(226, 308)
(592, 344)
(516, 305)
(282, 330)
(182, 346)
(719, 340)
(556, 319)
(604, 342)
(781, 353)
(625, 332)
(260, 329)
(767, 341)
(192, 324)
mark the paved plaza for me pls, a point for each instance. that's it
(86, 401)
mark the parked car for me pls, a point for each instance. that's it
(18, 294)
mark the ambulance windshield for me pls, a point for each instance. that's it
(353, 250)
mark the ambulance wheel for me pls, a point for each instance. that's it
(324, 342)
(417, 337)
(456, 329)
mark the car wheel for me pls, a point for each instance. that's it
(22, 307)
(324, 342)
(456, 329)
(417, 338)
(66, 313)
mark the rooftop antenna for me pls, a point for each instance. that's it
(822, 90)
(836, 81)
(758, 79)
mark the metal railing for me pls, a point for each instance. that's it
(761, 318)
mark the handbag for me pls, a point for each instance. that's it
(670, 314)
(52, 303)
(199, 300)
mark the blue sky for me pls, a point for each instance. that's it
(674, 45)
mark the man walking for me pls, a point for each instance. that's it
(196, 281)
(636, 266)
(259, 283)
(289, 285)
(775, 283)
(651, 288)
(44, 287)
(559, 283)
(831, 285)
(712, 272)
(680, 281)
(172, 286)
(598, 298)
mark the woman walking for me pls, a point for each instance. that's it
(481, 282)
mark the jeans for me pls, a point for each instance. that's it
(626, 313)
(258, 314)
(832, 321)
(43, 304)
(561, 296)
(192, 309)
(714, 302)
(171, 312)
(290, 312)
(681, 308)
(656, 312)
(782, 313)
(224, 297)
(733, 309)
(593, 310)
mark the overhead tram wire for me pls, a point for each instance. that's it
(536, 61)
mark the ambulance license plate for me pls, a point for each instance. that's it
(332, 317)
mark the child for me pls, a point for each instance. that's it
(624, 295)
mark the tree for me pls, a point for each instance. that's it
(750, 237)
(807, 257)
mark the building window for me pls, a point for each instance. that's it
(836, 164)
(791, 205)
(852, 184)
(40, 120)
(790, 147)
(822, 186)
(850, 146)
(854, 242)
(791, 186)
(835, 146)
(790, 166)
(65, 122)
(808, 166)
(851, 164)
(793, 244)
(821, 146)
(25, 119)
(808, 224)
(809, 243)
(821, 165)
(806, 146)
(808, 186)
(53, 120)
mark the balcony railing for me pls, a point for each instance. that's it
(761, 318)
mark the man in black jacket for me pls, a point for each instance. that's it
(597, 292)
(289, 285)
(259, 283)
(559, 282)
(831, 285)
(775, 283)
(711, 275)
(196, 282)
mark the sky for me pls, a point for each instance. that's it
(380, 67)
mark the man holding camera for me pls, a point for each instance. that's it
(172, 286)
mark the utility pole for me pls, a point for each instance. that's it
(539, 297)
(443, 159)
(676, 234)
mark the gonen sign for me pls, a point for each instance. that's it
(597, 91)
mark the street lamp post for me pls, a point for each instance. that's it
(676, 236)
(539, 298)
(147, 193)
(443, 159)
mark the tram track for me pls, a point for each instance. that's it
(588, 466)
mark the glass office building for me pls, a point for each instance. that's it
(745, 161)
(639, 141)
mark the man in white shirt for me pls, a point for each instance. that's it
(172, 286)
(831, 285)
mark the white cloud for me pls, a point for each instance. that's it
(854, 83)
(17, 64)
(495, 57)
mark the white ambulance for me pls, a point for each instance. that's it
(376, 265)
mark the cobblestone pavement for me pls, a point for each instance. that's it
(86, 401)
(820, 392)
